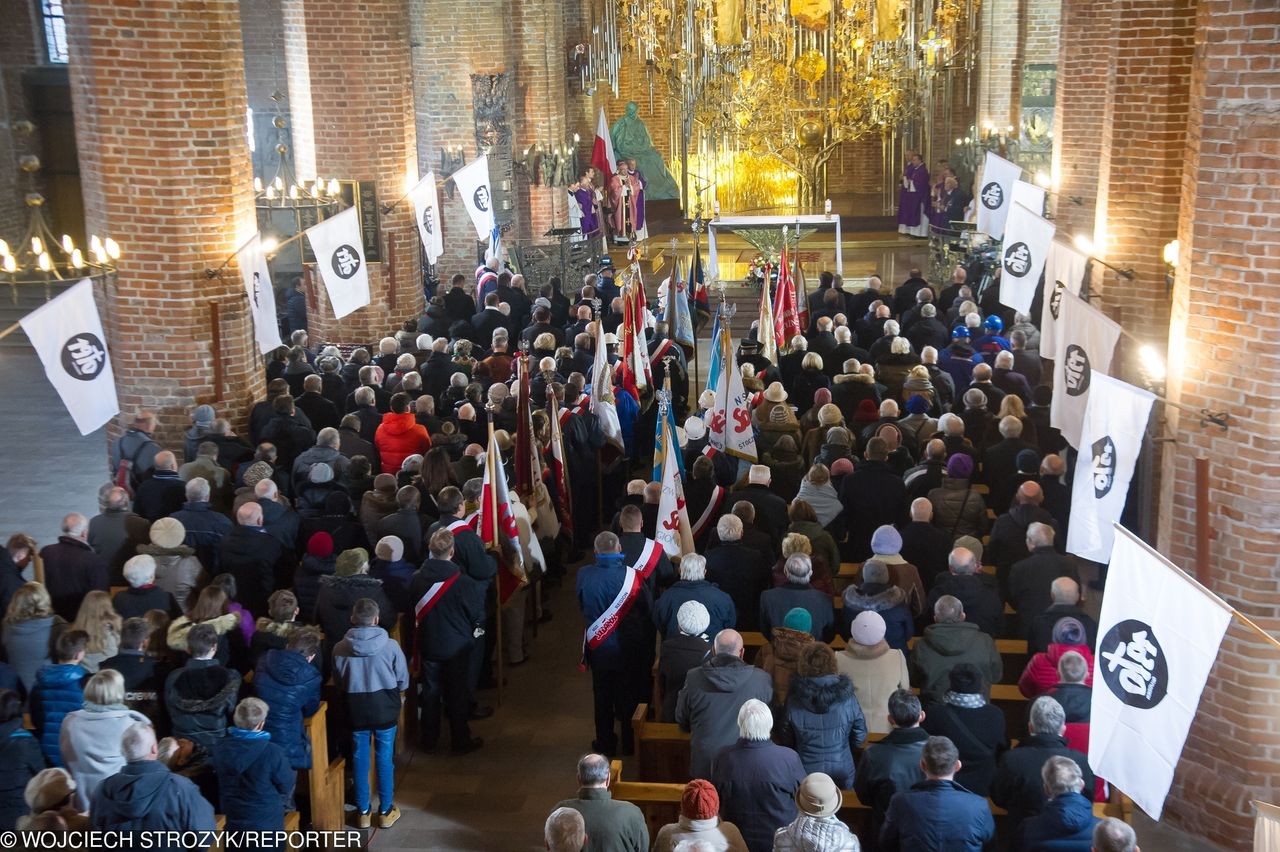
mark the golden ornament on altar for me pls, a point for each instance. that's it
(813, 14)
(811, 134)
(811, 66)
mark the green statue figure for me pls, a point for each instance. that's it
(631, 142)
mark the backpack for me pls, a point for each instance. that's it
(125, 476)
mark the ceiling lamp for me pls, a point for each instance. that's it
(283, 191)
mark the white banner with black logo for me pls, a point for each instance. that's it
(66, 333)
(340, 258)
(1029, 196)
(1027, 239)
(1064, 269)
(426, 212)
(472, 181)
(995, 194)
(1110, 441)
(1266, 828)
(1158, 635)
(256, 275)
(1087, 343)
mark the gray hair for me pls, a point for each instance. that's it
(364, 395)
(250, 713)
(1047, 716)
(899, 346)
(755, 720)
(962, 561)
(1039, 535)
(799, 568)
(693, 566)
(975, 398)
(607, 542)
(1113, 835)
(565, 831)
(928, 309)
(198, 490)
(1061, 775)
(1010, 426)
(138, 741)
(328, 436)
(892, 327)
(593, 770)
(729, 528)
(875, 571)
(951, 424)
(1004, 361)
(948, 610)
(140, 570)
(75, 524)
(1072, 667)
(1064, 590)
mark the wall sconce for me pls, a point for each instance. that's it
(1171, 251)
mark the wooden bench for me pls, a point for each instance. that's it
(325, 782)
(292, 822)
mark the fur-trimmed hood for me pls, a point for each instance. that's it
(874, 597)
(820, 694)
(859, 378)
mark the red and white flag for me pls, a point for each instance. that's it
(802, 297)
(602, 151)
(786, 316)
(497, 523)
(636, 373)
(603, 405)
(674, 532)
(729, 428)
(559, 473)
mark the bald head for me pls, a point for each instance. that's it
(1053, 465)
(728, 641)
(1065, 591)
(962, 561)
(653, 492)
(249, 515)
(921, 510)
(166, 460)
(1030, 494)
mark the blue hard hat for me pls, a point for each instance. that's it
(960, 332)
(993, 324)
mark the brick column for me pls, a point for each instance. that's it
(351, 98)
(159, 98)
(1221, 356)
(1000, 63)
(540, 110)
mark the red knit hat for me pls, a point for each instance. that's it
(320, 545)
(699, 800)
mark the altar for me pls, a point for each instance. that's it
(736, 223)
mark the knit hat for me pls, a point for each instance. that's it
(868, 629)
(917, 405)
(542, 302)
(1068, 631)
(960, 466)
(779, 414)
(699, 800)
(390, 548)
(320, 545)
(758, 474)
(320, 473)
(886, 541)
(829, 415)
(868, 411)
(798, 618)
(966, 678)
(775, 392)
(48, 788)
(818, 795)
(692, 618)
(352, 561)
(695, 428)
(1028, 461)
(971, 544)
(822, 396)
(203, 415)
(838, 435)
(840, 467)
(257, 472)
(168, 532)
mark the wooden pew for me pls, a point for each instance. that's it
(325, 780)
(292, 822)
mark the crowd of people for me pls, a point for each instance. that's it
(163, 655)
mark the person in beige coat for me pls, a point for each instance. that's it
(875, 669)
(699, 822)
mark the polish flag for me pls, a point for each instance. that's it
(497, 523)
(602, 151)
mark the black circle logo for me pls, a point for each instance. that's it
(1104, 466)
(84, 356)
(346, 262)
(481, 198)
(429, 220)
(992, 196)
(1055, 300)
(1017, 260)
(1132, 664)
(1075, 370)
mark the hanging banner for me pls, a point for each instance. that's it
(1087, 343)
(1027, 239)
(996, 194)
(1115, 422)
(1266, 828)
(255, 273)
(472, 181)
(426, 212)
(1158, 634)
(340, 259)
(67, 335)
(1029, 196)
(1064, 269)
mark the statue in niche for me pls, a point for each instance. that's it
(631, 141)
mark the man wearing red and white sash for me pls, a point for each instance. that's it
(618, 644)
(448, 608)
(477, 563)
(643, 553)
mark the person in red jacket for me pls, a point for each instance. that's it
(1041, 674)
(400, 435)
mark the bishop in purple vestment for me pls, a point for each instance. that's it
(913, 198)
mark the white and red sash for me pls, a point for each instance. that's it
(713, 506)
(467, 523)
(425, 604)
(648, 559)
(602, 628)
(660, 350)
(565, 414)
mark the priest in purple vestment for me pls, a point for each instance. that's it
(913, 198)
(584, 192)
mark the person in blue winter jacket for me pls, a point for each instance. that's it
(1066, 824)
(255, 781)
(937, 813)
(288, 681)
(58, 690)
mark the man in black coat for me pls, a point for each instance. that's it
(162, 493)
(928, 330)
(977, 592)
(1057, 496)
(741, 572)
(1000, 460)
(904, 297)
(924, 545)
(458, 304)
(71, 568)
(796, 592)
(287, 432)
(487, 320)
(254, 557)
(115, 534)
(451, 608)
(927, 475)
(406, 523)
(893, 764)
(633, 542)
(937, 813)
(321, 412)
(1065, 593)
(873, 496)
(1008, 542)
(771, 510)
(1031, 579)
(1018, 786)
(1026, 362)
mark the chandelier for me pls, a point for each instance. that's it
(40, 257)
(791, 80)
(283, 191)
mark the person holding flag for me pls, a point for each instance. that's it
(786, 316)
(674, 532)
(697, 289)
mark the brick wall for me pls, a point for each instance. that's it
(362, 127)
(1000, 62)
(173, 185)
(1221, 356)
(1085, 73)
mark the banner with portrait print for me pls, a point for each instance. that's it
(67, 335)
(472, 181)
(1027, 240)
(426, 213)
(256, 275)
(340, 258)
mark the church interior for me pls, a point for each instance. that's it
(731, 155)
